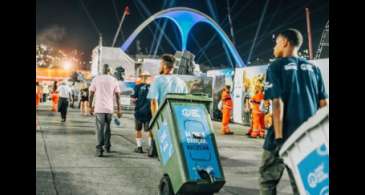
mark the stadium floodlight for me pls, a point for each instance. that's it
(67, 64)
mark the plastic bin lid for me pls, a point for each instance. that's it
(312, 122)
(199, 97)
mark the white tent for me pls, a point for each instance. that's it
(113, 56)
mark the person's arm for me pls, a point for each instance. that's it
(323, 103)
(117, 92)
(277, 113)
(134, 95)
(91, 98)
(154, 106)
(118, 104)
(153, 94)
(322, 95)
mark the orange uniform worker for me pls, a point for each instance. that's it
(55, 98)
(227, 106)
(258, 124)
(38, 94)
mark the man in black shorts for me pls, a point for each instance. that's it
(142, 112)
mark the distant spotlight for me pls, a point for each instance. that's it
(67, 65)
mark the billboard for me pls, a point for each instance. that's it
(245, 79)
(244, 85)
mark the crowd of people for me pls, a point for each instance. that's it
(292, 91)
(63, 94)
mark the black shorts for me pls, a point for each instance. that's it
(83, 99)
(140, 124)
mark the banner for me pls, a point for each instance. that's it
(244, 85)
(244, 82)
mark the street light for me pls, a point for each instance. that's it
(67, 65)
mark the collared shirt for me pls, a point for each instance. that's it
(64, 91)
(300, 86)
(45, 90)
(164, 84)
(143, 108)
(105, 87)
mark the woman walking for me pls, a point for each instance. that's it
(84, 101)
(38, 94)
(54, 97)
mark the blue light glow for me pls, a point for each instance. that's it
(185, 19)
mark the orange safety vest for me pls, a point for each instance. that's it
(227, 103)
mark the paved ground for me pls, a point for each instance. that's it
(66, 163)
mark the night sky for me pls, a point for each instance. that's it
(65, 24)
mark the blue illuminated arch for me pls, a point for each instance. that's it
(185, 19)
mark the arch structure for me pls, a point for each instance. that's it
(185, 19)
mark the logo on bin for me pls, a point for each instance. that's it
(314, 171)
(196, 139)
(165, 143)
(190, 113)
(317, 176)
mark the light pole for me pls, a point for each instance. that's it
(126, 12)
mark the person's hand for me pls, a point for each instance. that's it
(119, 114)
(279, 143)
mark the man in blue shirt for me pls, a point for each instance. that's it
(142, 112)
(296, 89)
(165, 83)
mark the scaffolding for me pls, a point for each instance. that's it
(324, 43)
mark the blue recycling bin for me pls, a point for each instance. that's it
(186, 146)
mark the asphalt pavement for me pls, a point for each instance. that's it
(66, 162)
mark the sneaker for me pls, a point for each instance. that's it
(107, 149)
(229, 133)
(138, 150)
(249, 132)
(99, 153)
(254, 134)
(262, 134)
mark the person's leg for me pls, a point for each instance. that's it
(226, 114)
(292, 181)
(262, 125)
(61, 107)
(100, 126)
(83, 107)
(86, 103)
(138, 127)
(72, 101)
(65, 110)
(148, 133)
(271, 170)
(228, 130)
(255, 125)
(108, 119)
(224, 121)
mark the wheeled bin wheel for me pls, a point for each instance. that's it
(165, 186)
